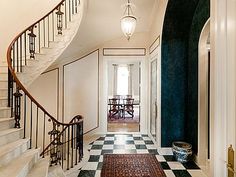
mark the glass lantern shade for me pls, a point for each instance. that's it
(128, 24)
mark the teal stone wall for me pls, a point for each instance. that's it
(201, 15)
(183, 19)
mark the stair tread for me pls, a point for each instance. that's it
(56, 171)
(11, 146)
(13, 168)
(10, 130)
(6, 119)
(40, 169)
(4, 107)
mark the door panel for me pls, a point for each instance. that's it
(153, 99)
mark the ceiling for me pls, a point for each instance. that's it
(101, 23)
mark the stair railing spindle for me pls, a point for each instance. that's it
(44, 131)
(25, 44)
(25, 104)
(37, 121)
(68, 148)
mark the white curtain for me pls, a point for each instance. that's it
(129, 79)
(115, 79)
(130, 87)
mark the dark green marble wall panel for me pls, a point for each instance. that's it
(173, 91)
(201, 15)
(176, 27)
(183, 22)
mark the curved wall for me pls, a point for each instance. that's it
(201, 15)
(179, 25)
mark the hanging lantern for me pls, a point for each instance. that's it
(32, 37)
(128, 22)
(59, 20)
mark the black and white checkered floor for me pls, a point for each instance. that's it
(134, 143)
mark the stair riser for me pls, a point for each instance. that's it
(3, 76)
(4, 69)
(3, 102)
(3, 84)
(13, 154)
(28, 166)
(5, 113)
(3, 93)
(7, 124)
(11, 137)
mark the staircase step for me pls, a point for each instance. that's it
(26, 68)
(3, 101)
(20, 166)
(3, 83)
(3, 63)
(5, 112)
(6, 123)
(12, 150)
(40, 169)
(3, 76)
(3, 92)
(3, 68)
(56, 171)
(10, 135)
(51, 51)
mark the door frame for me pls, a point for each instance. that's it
(223, 109)
(143, 93)
(156, 55)
(203, 95)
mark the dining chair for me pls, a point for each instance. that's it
(128, 107)
(114, 107)
(128, 96)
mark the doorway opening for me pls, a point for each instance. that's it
(123, 98)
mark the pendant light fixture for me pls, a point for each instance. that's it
(128, 22)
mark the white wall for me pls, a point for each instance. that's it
(81, 90)
(16, 15)
(47, 95)
(45, 90)
(155, 31)
(158, 19)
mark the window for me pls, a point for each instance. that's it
(122, 80)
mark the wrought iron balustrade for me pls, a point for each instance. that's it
(63, 142)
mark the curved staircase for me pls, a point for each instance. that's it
(31, 139)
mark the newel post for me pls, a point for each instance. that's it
(17, 107)
(55, 148)
(79, 139)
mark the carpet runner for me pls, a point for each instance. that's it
(131, 165)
